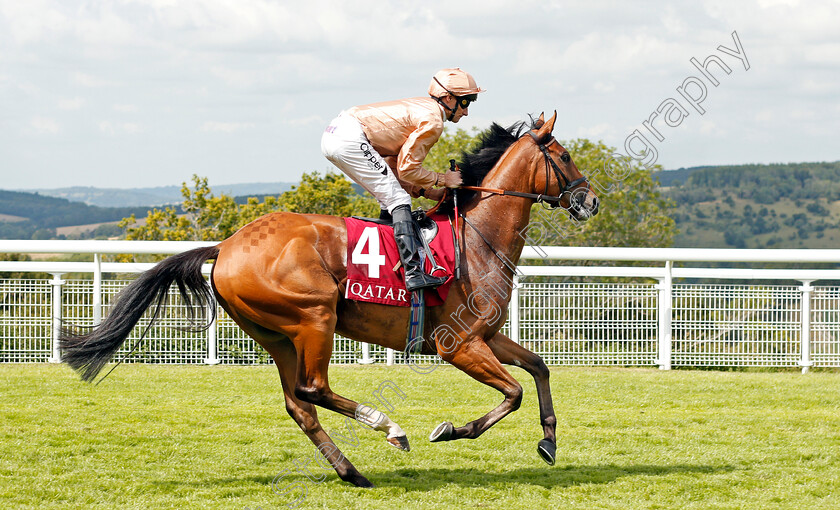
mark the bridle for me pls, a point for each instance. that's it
(558, 174)
(544, 197)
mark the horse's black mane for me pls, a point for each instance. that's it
(477, 163)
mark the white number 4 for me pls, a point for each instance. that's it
(373, 259)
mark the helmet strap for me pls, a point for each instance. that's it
(448, 109)
(440, 101)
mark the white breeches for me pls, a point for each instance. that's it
(344, 143)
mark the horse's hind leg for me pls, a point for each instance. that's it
(477, 360)
(306, 416)
(314, 344)
(510, 353)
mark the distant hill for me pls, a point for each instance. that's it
(53, 212)
(794, 205)
(34, 216)
(49, 214)
(161, 195)
(670, 177)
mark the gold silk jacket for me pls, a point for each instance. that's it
(406, 129)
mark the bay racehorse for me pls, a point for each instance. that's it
(282, 279)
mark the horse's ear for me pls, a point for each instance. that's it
(540, 121)
(544, 131)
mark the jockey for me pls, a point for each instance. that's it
(381, 146)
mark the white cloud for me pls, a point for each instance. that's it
(604, 87)
(803, 114)
(278, 71)
(596, 132)
(75, 103)
(32, 21)
(772, 3)
(119, 128)
(708, 127)
(673, 22)
(225, 127)
(601, 52)
(827, 53)
(764, 116)
(88, 80)
(244, 78)
(310, 120)
(44, 126)
(125, 108)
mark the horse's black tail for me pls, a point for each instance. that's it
(88, 352)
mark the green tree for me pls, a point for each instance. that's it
(632, 213)
(331, 194)
(207, 217)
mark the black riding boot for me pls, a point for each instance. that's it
(409, 245)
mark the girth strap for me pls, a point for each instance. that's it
(414, 340)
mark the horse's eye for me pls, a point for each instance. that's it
(565, 157)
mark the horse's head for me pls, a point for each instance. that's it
(557, 178)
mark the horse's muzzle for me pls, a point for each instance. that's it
(583, 204)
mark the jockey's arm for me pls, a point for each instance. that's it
(409, 165)
(412, 189)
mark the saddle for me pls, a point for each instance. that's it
(428, 227)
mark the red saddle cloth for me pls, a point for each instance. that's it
(372, 256)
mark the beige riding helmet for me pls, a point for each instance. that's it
(453, 81)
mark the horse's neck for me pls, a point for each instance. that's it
(509, 215)
(502, 219)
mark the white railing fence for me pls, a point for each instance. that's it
(655, 314)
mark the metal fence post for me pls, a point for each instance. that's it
(805, 332)
(97, 289)
(665, 311)
(366, 359)
(213, 342)
(57, 284)
(514, 309)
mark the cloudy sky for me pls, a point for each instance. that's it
(138, 93)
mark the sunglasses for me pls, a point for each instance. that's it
(464, 101)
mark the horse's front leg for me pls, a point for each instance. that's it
(475, 358)
(510, 353)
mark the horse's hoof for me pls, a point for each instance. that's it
(358, 480)
(547, 451)
(442, 432)
(400, 442)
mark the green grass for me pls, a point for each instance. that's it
(215, 437)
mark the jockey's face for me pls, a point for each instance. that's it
(452, 102)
